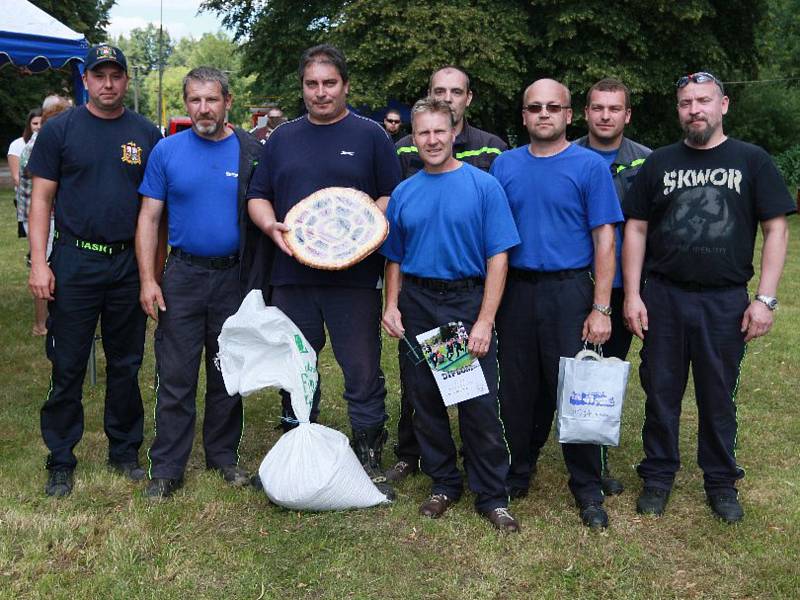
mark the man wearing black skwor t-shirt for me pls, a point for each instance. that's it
(330, 146)
(90, 160)
(692, 214)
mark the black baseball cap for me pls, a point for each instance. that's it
(104, 53)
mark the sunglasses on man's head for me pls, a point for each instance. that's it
(392, 121)
(551, 108)
(699, 77)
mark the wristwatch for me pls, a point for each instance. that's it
(604, 309)
(770, 301)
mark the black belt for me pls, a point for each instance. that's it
(534, 276)
(445, 285)
(691, 286)
(207, 262)
(99, 247)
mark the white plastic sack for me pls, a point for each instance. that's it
(591, 392)
(311, 467)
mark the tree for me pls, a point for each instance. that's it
(141, 47)
(393, 45)
(274, 34)
(216, 50)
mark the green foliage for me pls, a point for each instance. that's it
(275, 33)
(789, 164)
(141, 47)
(393, 45)
(216, 50)
(779, 41)
(767, 114)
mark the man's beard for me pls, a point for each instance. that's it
(208, 129)
(699, 137)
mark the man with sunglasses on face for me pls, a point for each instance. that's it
(565, 207)
(607, 112)
(693, 212)
(392, 122)
(475, 147)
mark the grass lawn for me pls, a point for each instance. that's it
(210, 541)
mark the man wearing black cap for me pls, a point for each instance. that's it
(90, 161)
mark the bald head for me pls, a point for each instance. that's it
(550, 88)
(546, 113)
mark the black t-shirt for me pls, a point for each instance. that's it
(301, 158)
(98, 165)
(703, 208)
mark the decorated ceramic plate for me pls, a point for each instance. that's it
(335, 228)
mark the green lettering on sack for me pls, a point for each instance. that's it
(298, 340)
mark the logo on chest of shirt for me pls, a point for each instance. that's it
(131, 153)
(347, 153)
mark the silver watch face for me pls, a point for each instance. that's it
(772, 303)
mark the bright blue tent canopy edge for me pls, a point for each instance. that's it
(38, 53)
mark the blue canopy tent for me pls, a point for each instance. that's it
(32, 40)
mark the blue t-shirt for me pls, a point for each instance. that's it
(98, 165)
(610, 156)
(445, 225)
(198, 179)
(301, 158)
(556, 202)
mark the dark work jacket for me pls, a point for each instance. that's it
(256, 250)
(474, 146)
(630, 159)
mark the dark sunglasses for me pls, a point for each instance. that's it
(392, 121)
(551, 108)
(699, 77)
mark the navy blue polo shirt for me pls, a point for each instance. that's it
(301, 158)
(446, 225)
(98, 165)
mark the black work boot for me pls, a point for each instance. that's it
(368, 446)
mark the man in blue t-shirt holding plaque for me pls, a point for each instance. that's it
(330, 146)
(89, 161)
(449, 231)
(199, 178)
(559, 285)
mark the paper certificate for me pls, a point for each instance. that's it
(458, 374)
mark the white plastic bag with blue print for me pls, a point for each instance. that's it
(591, 392)
(311, 467)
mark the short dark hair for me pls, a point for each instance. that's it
(392, 111)
(326, 54)
(445, 68)
(432, 105)
(207, 74)
(609, 84)
(32, 114)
